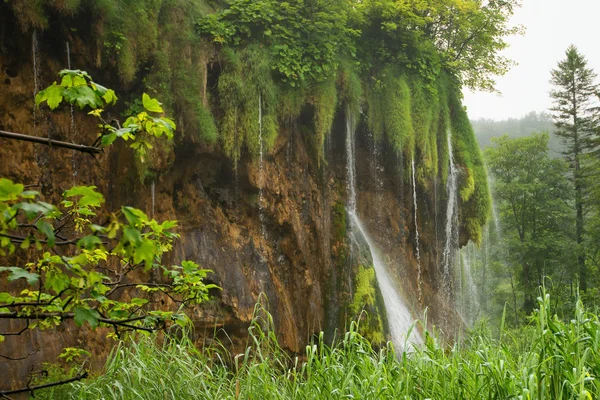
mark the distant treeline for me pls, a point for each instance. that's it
(486, 129)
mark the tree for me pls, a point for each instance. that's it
(576, 118)
(75, 261)
(532, 192)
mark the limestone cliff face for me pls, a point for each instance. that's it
(297, 260)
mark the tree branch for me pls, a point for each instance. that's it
(46, 385)
(18, 358)
(52, 143)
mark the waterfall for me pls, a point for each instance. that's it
(72, 127)
(452, 192)
(350, 162)
(399, 318)
(469, 302)
(34, 51)
(261, 195)
(398, 315)
(417, 251)
(153, 196)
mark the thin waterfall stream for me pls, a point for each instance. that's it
(417, 251)
(399, 318)
(452, 192)
(261, 195)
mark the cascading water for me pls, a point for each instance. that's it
(261, 195)
(153, 196)
(350, 163)
(399, 318)
(34, 51)
(417, 250)
(469, 301)
(72, 127)
(452, 192)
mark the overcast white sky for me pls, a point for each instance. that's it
(551, 26)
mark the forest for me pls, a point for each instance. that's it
(247, 199)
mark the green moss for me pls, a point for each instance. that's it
(364, 305)
(390, 113)
(351, 91)
(443, 128)
(340, 223)
(424, 113)
(473, 187)
(245, 86)
(325, 101)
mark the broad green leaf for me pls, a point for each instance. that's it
(86, 315)
(9, 190)
(89, 196)
(132, 235)
(18, 273)
(145, 252)
(109, 139)
(56, 280)
(110, 97)
(48, 230)
(89, 242)
(151, 104)
(52, 95)
(134, 216)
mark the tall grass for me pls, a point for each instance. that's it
(549, 359)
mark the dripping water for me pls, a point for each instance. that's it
(261, 195)
(72, 127)
(153, 195)
(469, 302)
(350, 162)
(34, 51)
(398, 315)
(448, 254)
(417, 251)
(399, 318)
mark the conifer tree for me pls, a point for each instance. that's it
(575, 117)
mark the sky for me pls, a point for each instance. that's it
(551, 26)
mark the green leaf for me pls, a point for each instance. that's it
(110, 97)
(89, 196)
(85, 96)
(56, 280)
(89, 242)
(9, 190)
(48, 230)
(52, 95)
(151, 104)
(18, 273)
(132, 235)
(86, 315)
(109, 139)
(134, 216)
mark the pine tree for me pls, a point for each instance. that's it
(575, 118)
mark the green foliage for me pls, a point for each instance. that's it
(532, 194)
(246, 92)
(473, 185)
(76, 87)
(550, 359)
(325, 101)
(389, 116)
(179, 71)
(304, 38)
(364, 305)
(81, 277)
(576, 117)
(339, 222)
